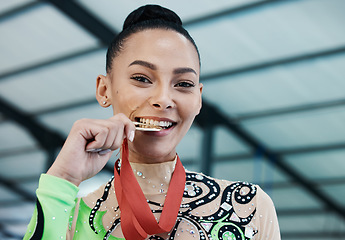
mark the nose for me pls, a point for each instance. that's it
(162, 98)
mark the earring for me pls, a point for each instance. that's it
(104, 102)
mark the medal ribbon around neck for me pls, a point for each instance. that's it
(137, 219)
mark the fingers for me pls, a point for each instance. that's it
(107, 135)
(129, 127)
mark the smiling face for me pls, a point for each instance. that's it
(155, 79)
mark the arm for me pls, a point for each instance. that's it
(86, 151)
(55, 201)
(267, 217)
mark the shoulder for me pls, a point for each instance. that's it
(264, 201)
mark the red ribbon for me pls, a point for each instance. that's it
(137, 220)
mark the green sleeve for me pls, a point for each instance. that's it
(56, 198)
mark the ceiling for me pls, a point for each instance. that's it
(273, 101)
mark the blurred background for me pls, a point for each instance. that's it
(273, 101)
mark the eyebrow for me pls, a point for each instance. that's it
(154, 67)
(184, 70)
(144, 64)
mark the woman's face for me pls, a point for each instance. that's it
(156, 77)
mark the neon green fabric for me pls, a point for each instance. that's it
(83, 230)
(61, 194)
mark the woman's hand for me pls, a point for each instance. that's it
(89, 146)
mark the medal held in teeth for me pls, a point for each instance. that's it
(151, 125)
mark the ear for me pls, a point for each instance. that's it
(201, 86)
(103, 95)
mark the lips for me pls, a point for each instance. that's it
(154, 122)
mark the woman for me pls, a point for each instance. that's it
(153, 70)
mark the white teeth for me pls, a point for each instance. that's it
(165, 124)
(155, 122)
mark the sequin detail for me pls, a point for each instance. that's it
(98, 205)
(222, 222)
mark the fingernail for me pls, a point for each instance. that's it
(131, 136)
(103, 152)
(94, 150)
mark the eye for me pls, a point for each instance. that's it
(141, 78)
(185, 84)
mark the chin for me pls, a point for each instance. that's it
(160, 151)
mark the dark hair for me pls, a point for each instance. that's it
(146, 17)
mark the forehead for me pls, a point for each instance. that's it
(161, 47)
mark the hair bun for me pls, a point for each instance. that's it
(151, 12)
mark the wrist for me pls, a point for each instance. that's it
(64, 176)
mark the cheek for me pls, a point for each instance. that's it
(189, 108)
(126, 101)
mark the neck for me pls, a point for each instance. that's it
(154, 178)
(149, 158)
